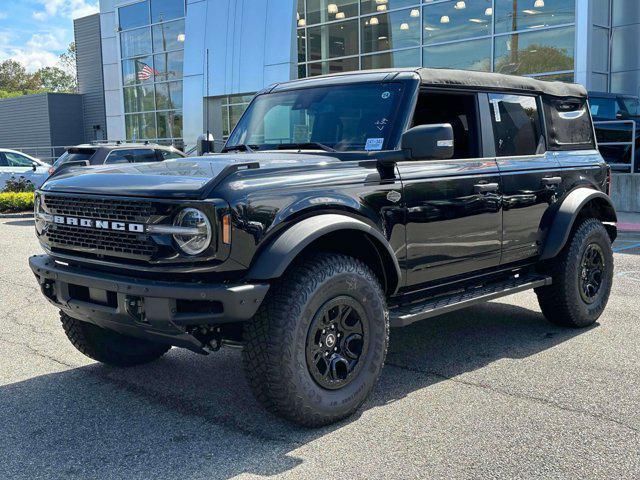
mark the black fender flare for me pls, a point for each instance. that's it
(278, 255)
(566, 216)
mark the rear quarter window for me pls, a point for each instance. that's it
(131, 156)
(569, 125)
(75, 155)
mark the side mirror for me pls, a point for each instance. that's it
(34, 166)
(429, 142)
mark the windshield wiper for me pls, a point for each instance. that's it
(240, 147)
(307, 146)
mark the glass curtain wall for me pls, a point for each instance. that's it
(152, 38)
(521, 37)
(233, 106)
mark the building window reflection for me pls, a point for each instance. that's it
(152, 35)
(535, 52)
(523, 37)
(233, 106)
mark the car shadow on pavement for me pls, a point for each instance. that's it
(21, 223)
(191, 416)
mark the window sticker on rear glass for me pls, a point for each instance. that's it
(496, 109)
(374, 144)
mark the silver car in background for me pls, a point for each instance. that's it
(15, 164)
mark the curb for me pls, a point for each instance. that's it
(16, 215)
(629, 227)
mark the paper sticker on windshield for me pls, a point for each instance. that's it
(300, 133)
(374, 144)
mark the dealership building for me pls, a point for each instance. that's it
(173, 69)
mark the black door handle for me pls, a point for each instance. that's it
(551, 181)
(486, 187)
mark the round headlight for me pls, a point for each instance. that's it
(197, 235)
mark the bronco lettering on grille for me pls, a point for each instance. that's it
(99, 224)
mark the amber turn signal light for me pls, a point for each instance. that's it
(226, 229)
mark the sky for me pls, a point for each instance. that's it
(35, 32)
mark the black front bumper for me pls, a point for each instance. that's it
(155, 310)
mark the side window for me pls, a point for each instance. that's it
(516, 125)
(568, 123)
(16, 160)
(131, 156)
(169, 155)
(603, 108)
(458, 110)
(3, 161)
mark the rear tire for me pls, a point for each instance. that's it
(315, 348)
(109, 347)
(582, 278)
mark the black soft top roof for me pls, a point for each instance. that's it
(447, 78)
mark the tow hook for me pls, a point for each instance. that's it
(49, 290)
(210, 337)
(135, 308)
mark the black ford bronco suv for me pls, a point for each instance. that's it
(341, 206)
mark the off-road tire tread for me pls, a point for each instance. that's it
(270, 336)
(95, 343)
(557, 302)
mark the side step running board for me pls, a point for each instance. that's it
(406, 314)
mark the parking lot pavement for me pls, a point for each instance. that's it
(489, 392)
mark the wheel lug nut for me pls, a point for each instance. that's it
(333, 327)
(320, 344)
(338, 335)
(335, 349)
(326, 354)
(324, 331)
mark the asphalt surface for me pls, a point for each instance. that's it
(493, 391)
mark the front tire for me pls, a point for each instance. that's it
(109, 347)
(582, 278)
(316, 347)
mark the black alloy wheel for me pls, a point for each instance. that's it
(592, 268)
(338, 336)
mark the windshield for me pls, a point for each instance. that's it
(345, 118)
(74, 156)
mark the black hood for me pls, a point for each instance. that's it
(183, 178)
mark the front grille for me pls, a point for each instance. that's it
(101, 208)
(101, 241)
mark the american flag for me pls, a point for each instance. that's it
(145, 71)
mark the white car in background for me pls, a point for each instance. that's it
(15, 164)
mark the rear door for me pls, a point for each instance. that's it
(531, 176)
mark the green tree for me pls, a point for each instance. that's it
(68, 60)
(54, 79)
(534, 59)
(15, 78)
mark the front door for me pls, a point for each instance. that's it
(454, 218)
(19, 166)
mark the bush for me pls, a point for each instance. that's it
(20, 185)
(16, 202)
